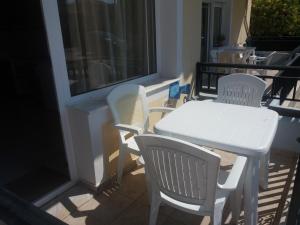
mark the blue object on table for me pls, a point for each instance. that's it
(174, 90)
(185, 89)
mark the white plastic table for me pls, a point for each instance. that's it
(243, 130)
(245, 51)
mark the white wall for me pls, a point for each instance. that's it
(169, 37)
(178, 37)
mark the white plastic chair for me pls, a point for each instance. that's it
(214, 55)
(265, 60)
(129, 107)
(241, 89)
(187, 176)
(248, 90)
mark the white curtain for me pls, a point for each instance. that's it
(108, 41)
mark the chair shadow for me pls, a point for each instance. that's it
(273, 202)
(272, 207)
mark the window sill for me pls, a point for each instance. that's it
(153, 86)
(159, 84)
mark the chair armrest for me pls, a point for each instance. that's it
(129, 128)
(209, 100)
(235, 174)
(261, 58)
(161, 109)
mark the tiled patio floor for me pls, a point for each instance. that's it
(128, 204)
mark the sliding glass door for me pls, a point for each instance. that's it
(214, 27)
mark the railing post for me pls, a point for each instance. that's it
(198, 77)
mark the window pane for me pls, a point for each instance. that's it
(218, 36)
(107, 41)
(205, 32)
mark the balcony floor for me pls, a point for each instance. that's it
(128, 204)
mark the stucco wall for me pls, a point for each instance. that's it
(191, 40)
(240, 21)
(168, 38)
(179, 37)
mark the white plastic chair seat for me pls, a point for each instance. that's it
(132, 147)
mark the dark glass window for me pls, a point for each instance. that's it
(218, 36)
(107, 41)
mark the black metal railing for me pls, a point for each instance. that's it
(282, 85)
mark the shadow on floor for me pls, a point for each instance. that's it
(129, 203)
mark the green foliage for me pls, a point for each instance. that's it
(275, 18)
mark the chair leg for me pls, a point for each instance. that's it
(235, 204)
(121, 165)
(155, 203)
(218, 213)
(264, 171)
(149, 188)
(236, 199)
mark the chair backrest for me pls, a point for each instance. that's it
(241, 89)
(128, 104)
(182, 171)
(294, 52)
(246, 57)
(270, 57)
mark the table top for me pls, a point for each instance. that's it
(239, 129)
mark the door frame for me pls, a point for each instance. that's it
(59, 70)
(226, 6)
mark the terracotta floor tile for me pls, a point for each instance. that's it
(187, 218)
(133, 184)
(58, 210)
(68, 202)
(129, 203)
(82, 220)
(106, 208)
(75, 220)
(227, 158)
(137, 215)
(164, 208)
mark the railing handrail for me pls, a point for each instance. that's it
(285, 81)
(249, 66)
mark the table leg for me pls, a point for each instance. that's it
(264, 171)
(251, 191)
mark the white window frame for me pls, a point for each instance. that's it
(226, 6)
(60, 73)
